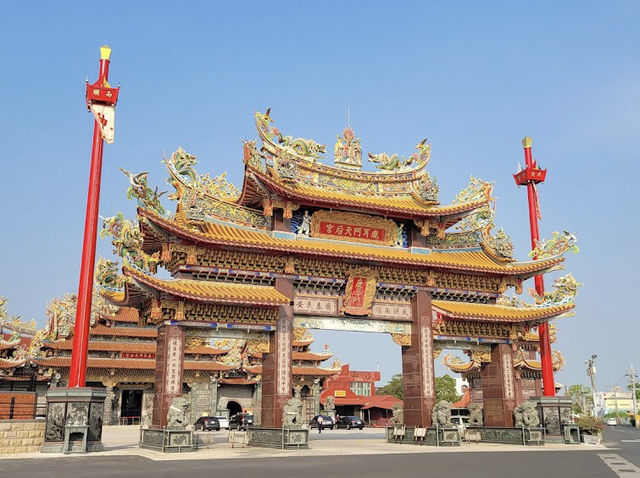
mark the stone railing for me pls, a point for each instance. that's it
(21, 436)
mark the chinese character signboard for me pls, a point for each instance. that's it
(359, 292)
(353, 227)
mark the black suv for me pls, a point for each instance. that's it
(327, 422)
(349, 423)
(207, 423)
(240, 421)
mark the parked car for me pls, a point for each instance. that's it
(240, 421)
(611, 421)
(224, 422)
(327, 422)
(207, 424)
(350, 422)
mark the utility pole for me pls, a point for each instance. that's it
(632, 378)
(591, 372)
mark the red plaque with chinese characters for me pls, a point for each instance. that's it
(353, 227)
(359, 292)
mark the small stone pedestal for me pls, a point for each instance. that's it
(74, 420)
(283, 438)
(555, 415)
(167, 440)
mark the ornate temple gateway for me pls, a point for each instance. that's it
(304, 245)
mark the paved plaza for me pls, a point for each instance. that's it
(334, 453)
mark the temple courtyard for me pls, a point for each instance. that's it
(334, 452)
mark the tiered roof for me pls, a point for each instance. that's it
(286, 174)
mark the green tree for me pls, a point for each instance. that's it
(394, 387)
(446, 389)
(582, 399)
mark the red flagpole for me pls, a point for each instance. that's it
(99, 93)
(530, 176)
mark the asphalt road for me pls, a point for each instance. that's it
(624, 443)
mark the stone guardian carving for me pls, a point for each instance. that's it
(526, 415)
(177, 415)
(441, 414)
(292, 413)
(476, 419)
(398, 414)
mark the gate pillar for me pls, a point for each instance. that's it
(276, 365)
(168, 374)
(498, 387)
(417, 364)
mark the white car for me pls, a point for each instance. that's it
(224, 422)
(611, 421)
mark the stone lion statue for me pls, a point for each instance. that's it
(475, 419)
(330, 404)
(292, 413)
(178, 414)
(526, 415)
(441, 414)
(398, 414)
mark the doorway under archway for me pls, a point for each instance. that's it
(233, 408)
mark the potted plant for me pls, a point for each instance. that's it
(590, 429)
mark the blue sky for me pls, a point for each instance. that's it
(474, 77)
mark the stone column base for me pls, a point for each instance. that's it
(74, 420)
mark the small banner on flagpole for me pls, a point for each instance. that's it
(105, 115)
(537, 202)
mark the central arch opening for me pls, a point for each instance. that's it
(233, 408)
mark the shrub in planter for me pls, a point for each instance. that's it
(590, 425)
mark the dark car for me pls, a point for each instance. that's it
(349, 423)
(207, 423)
(327, 422)
(240, 421)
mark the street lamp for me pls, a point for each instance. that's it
(591, 372)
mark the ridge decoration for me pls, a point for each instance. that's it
(559, 243)
(564, 291)
(139, 188)
(347, 152)
(127, 242)
(275, 141)
(392, 163)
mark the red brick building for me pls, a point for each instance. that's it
(354, 393)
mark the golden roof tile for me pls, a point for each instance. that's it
(498, 313)
(471, 260)
(207, 291)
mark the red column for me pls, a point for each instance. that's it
(531, 176)
(169, 371)
(498, 387)
(78, 369)
(417, 364)
(276, 365)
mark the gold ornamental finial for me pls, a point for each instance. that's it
(527, 142)
(105, 52)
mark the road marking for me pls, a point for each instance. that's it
(619, 465)
(631, 441)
